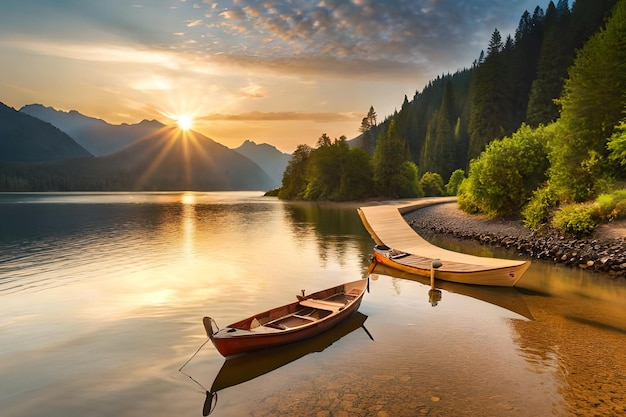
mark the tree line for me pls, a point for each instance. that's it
(538, 117)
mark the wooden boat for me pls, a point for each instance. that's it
(307, 317)
(450, 269)
(399, 246)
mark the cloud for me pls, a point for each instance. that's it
(337, 38)
(194, 23)
(283, 116)
(359, 37)
(94, 52)
(254, 91)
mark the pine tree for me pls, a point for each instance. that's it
(294, 178)
(390, 154)
(489, 99)
(557, 54)
(368, 123)
(592, 106)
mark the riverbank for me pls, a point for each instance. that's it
(604, 251)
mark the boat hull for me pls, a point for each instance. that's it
(506, 276)
(240, 337)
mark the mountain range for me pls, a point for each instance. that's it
(44, 149)
(24, 138)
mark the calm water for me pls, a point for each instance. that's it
(102, 297)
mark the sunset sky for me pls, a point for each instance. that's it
(278, 72)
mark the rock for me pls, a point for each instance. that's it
(605, 255)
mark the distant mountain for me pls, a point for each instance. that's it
(97, 136)
(164, 161)
(270, 159)
(174, 160)
(24, 138)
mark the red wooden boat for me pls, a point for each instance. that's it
(307, 317)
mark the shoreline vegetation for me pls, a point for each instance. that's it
(604, 251)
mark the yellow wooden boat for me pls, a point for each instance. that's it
(399, 246)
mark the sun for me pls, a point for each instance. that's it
(185, 122)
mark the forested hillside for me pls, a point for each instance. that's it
(514, 81)
(537, 107)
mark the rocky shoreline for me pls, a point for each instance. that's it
(603, 252)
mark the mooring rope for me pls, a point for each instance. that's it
(194, 355)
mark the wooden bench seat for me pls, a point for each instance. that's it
(322, 305)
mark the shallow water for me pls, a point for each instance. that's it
(102, 297)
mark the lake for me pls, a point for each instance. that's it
(103, 294)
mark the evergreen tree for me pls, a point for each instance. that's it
(440, 146)
(592, 106)
(294, 178)
(489, 98)
(325, 169)
(390, 154)
(357, 182)
(368, 123)
(556, 56)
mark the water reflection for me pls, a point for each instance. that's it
(333, 226)
(243, 368)
(506, 297)
(576, 332)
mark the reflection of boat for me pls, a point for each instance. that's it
(398, 246)
(507, 298)
(307, 317)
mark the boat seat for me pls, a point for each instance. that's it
(322, 305)
(309, 318)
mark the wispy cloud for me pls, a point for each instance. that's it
(356, 36)
(339, 38)
(283, 116)
(94, 52)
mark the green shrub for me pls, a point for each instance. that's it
(465, 197)
(539, 209)
(407, 185)
(432, 184)
(503, 177)
(611, 206)
(617, 145)
(457, 177)
(576, 219)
